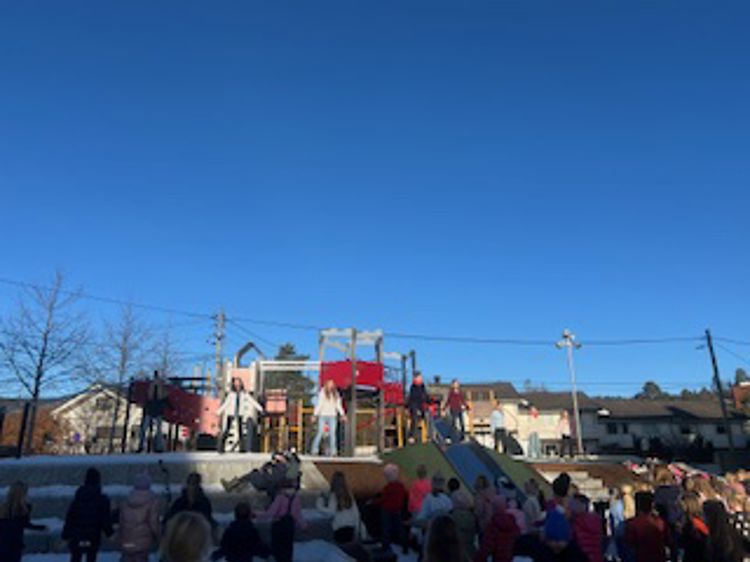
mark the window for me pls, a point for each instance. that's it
(103, 404)
(480, 395)
(721, 429)
(685, 430)
(612, 428)
(625, 428)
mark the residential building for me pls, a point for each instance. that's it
(627, 424)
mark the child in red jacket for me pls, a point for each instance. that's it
(587, 528)
(500, 535)
(392, 502)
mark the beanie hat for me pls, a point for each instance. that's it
(556, 527)
(142, 481)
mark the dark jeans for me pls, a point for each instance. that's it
(393, 529)
(566, 444)
(415, 431)
(240, 430)
(501, 440)
(457, 421)
(77, 552)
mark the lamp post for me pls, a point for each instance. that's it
(569, 342)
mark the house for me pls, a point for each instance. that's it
(88, 418)
(549, 406)
(628, 424)
(47, 429)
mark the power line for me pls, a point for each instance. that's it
(732, 341)
(734, 354)
(252, 334)
(108, 300)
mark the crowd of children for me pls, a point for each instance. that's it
(667, 514)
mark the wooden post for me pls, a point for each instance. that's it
(400, 428)
(300, 426)
(351, 445)
(380, 412)
(126, 425)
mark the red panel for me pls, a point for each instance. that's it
(188, 409)
(369, 373)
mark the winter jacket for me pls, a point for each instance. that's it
(467, 527)
(240, 404)
(497, 420)
(483, 506)
(11, 534)
(418, 491)
(668, 500)
(588, 532)
(531, 547)
(432, 506)
(647, 536)
(341, 517)
(695, 540)
(139, 522)
(201, 505)
(89, 517)
(241, 542)
(532, 511)
(499, 538)
(280, 507)
(393, 497)
(417, 397)
(328, 406)
(455, 401)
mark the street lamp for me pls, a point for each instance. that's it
(569, 342)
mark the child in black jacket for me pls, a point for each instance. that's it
(241, 540)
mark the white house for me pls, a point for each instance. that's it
(88, 417)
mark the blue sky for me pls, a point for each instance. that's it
(497, 169)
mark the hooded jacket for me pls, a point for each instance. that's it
(89, 516)
(587, 530)
(139, 522)
(499, 538)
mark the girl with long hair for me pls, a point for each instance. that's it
(340, 503)
(327, 411)
(194, 499)
(15, 518)
(724, 544)
(694, 535)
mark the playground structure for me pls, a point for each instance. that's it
(373, 392)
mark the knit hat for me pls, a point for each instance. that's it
(556, 527)
(142, 481)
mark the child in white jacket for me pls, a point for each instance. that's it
(340, 503)
(327, 411)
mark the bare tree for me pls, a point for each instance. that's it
(165, 356)
(41, 342)
(123, 354)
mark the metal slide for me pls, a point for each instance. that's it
(468, 458)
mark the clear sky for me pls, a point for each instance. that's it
(494, 169)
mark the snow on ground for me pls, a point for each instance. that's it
(112, 490)
(167, 458)
(55, 524)
(310, 551)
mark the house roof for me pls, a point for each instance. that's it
(683, 409)
(86, 394)
(502, 389)
(545, 401)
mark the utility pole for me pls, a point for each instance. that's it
(720, 390)
(219, 339)
(569, 343)
(413, 356)
(351, 445)
(403, 376)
